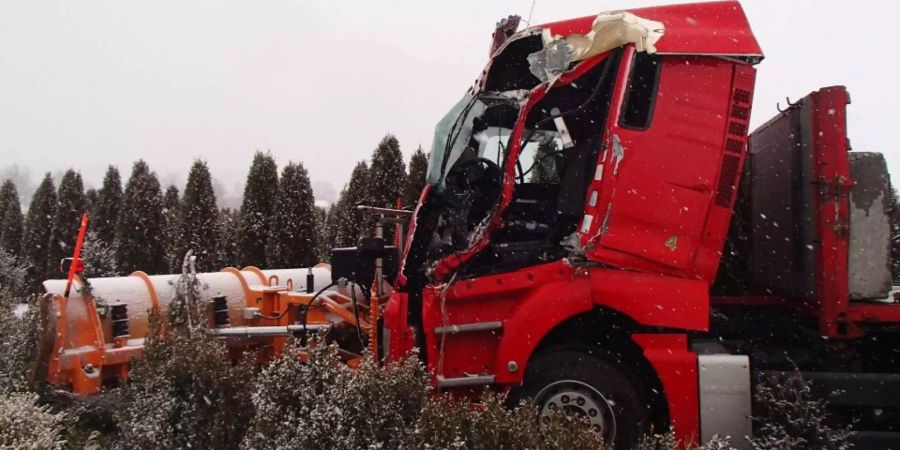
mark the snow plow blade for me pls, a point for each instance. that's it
(91, 336)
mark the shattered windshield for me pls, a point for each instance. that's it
(458, 120)
(478, 126)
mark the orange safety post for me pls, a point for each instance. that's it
(77, 265)
(85, 378)
(373, 324)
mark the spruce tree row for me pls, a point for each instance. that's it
(384, 183)
(142, 227)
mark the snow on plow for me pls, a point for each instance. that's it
(94, 328)
(91, 335)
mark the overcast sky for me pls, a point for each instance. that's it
(90, 83)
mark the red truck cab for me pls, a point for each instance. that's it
(579, 199)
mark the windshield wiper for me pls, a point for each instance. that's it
(453, 135)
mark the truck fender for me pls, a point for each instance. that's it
(647, 299)
(676, 366)
(534, 317)
(653, 300)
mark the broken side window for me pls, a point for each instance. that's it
(510, 70)
(643, 82)
(473, 129)
(560, 145)
(541, 160)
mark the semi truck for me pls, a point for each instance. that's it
(601, 233)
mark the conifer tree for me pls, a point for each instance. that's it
(545, 165)
(256, 210)
(139, 231)
(171, 206)
(226, 235)
(106, 209)
(337, 221)
(292, 232)
(6, 191)
(387, 175)
(70, 205)
(322, 234)
(415, 182)
(331, 229)
(91, 199)
(11, 222)
(99, 257)
(38, 226)
(349, 224)
(198, 218)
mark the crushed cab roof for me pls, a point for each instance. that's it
(714, 28)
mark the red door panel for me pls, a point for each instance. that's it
(658, 183)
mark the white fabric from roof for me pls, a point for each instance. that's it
(608, 31)
(611, 30)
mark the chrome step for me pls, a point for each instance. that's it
(476, 380)
(469, 327)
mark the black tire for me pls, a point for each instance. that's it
(610, 394)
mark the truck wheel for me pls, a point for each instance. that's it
(578, 383)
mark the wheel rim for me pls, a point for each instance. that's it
(574, 398)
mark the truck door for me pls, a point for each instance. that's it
(654, 182)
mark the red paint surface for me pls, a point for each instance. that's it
(656, 210)
(533, 301)
(676, 367)
(669, 182)
(831, 169)
(715, 28)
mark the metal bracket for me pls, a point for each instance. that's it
(725, 397)
(469, 327)
(477, 380)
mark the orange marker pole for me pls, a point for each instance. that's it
(77, 266)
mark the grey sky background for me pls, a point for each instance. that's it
(90, 83)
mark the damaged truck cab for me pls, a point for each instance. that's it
(578, 198)
(601, 233)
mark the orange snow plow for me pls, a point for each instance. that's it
(94, 328)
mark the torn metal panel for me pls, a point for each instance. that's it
(618, 153)
(505, 29)
(605, 225)
(572, 244)
(552, 61)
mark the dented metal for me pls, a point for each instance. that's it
(551, 61)
(618, 153)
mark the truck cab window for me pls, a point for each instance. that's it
(643, 81)
(540, 160)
